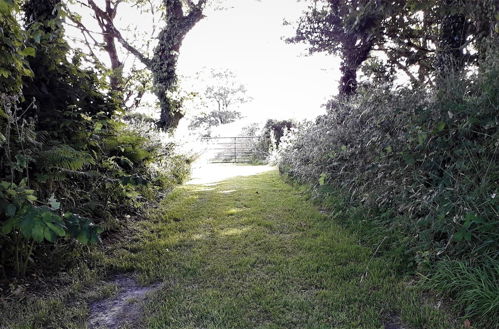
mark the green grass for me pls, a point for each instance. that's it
(252, 252)
(477, 287)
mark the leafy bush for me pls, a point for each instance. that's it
(424, 162)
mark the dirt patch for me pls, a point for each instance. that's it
(394, 322)
(125, 308)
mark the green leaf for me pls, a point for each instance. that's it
(10, 210)
(421, 138)
(23, 182)
(27, 72)
(21, 161)
(83, 237)
(31, 197)
(53, 203)
(459, 236)
(98, 127)
(28, 221)
(56, 229)
(49, 235)
(9, 225)
(322, 179)
(37, 233)
(28, 51)
(5, 6)
(441, 126)
(2, 137)
(37, 36)
(3, 72)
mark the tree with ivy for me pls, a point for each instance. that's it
(179, 17)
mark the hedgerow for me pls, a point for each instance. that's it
(70, 166)
(422, 165)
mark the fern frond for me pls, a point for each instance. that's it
(64, 157)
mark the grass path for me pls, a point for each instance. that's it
(251, 252)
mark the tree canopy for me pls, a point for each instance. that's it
(416, 37)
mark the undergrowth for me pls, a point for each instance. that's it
(71, 167)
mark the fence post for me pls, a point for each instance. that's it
(235, 149)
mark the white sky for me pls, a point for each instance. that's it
(248, 39)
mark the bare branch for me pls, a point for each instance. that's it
(146, 61)
(408, 72)
(85, 32)
(106, 20)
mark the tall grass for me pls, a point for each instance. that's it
(476, 287)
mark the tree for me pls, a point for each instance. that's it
(180, 16)
(13, 53)
(220, 97)
(415, 36)
(275, 130)
(331, 26)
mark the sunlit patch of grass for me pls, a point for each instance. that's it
(199, 236)
(234, 231)
(233, 211)
(227, 192)
(204, 189)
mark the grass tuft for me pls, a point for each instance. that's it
(475, 287)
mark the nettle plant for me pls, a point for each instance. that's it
(29, 221)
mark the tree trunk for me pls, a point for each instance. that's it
(116, 78)
(164, 62)
(353, 57)
(105, 18)
(452, 38)
(165, 80)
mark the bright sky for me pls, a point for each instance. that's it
(248, 39)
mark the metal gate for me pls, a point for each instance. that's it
(231, 149)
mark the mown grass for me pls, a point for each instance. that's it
(252, 252)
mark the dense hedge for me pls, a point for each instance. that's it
(423, 165)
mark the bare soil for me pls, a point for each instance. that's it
(125, 308)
